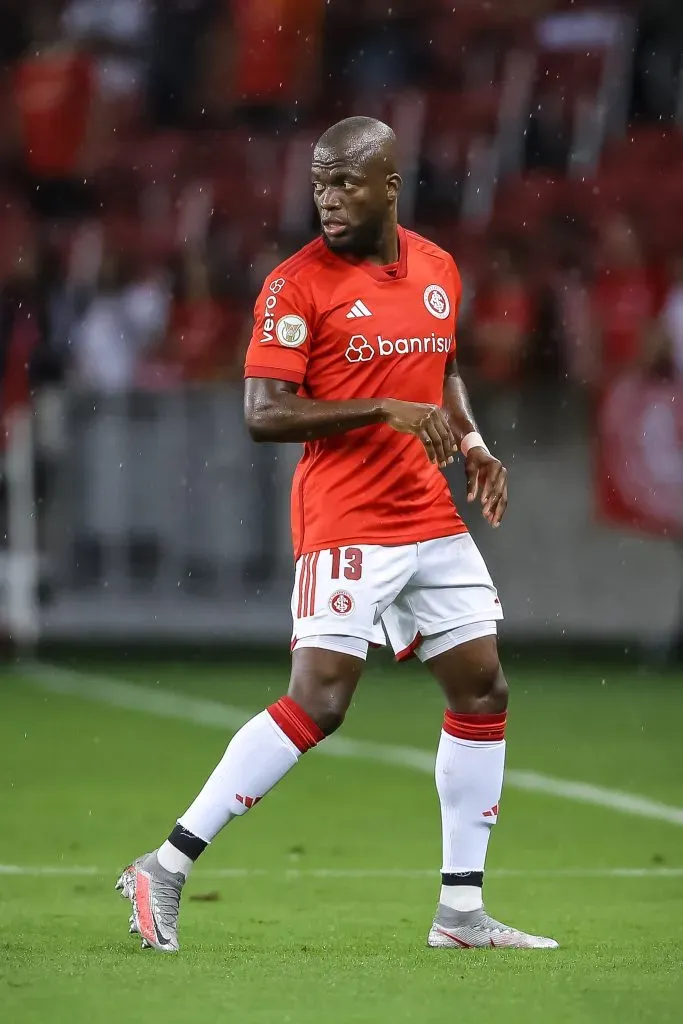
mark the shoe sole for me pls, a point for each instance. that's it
(141, 920)
(438, 939)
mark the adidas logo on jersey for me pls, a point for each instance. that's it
(358, 309)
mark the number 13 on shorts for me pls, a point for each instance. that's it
(412, 589)
(340, 590)
(352, 562)
(318, 576)
(331, 595)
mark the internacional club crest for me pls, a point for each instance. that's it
(341, 603)
(291, 330)
(436, 301)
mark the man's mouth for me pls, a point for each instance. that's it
(333, 228)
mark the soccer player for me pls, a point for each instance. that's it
(353, 354)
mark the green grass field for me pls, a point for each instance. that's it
(315, 907)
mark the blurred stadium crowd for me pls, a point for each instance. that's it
(153, 167)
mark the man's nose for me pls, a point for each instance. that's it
(330, 200)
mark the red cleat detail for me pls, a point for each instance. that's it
(450, 935)
(143, 907)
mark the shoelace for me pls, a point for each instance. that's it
(490, 924)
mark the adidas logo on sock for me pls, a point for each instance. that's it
(248, 801)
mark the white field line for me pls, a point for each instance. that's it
(294, 874)
(199, 711)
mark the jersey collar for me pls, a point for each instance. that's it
(379, 273)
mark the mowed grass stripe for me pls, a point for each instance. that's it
(349, 874)
(214, 714)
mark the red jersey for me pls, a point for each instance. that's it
(344, 330)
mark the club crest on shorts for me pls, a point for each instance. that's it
(437, 301)
(341, 603)
(291, 330)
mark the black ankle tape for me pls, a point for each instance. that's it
(464, 878)
(186, 842)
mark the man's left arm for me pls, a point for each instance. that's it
(486, 475)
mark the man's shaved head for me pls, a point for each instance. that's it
(356, 186)
(359, 140)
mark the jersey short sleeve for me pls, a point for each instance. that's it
(457, 295)
(281, 338)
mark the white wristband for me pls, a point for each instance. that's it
(472, 440)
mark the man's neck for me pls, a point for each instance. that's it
(388, 248)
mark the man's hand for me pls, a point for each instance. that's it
(488, 478)
(426, 422)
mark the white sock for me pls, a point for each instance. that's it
(173, 860)
(461, 897)
(469, 780)
(257, 757)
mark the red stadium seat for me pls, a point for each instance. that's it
(570, 73)
(462, 115)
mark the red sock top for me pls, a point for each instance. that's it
(485, 728)
(295, 723)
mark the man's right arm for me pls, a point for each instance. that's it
(273, 411)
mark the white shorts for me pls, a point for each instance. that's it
(410, 592)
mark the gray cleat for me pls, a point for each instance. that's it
(154, 894)
(474, 929)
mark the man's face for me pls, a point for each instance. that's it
(353, 200)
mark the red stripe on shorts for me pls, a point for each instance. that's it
(409, 651)
(303, 578)
(310, 602)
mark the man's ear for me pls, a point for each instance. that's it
(394, 183)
